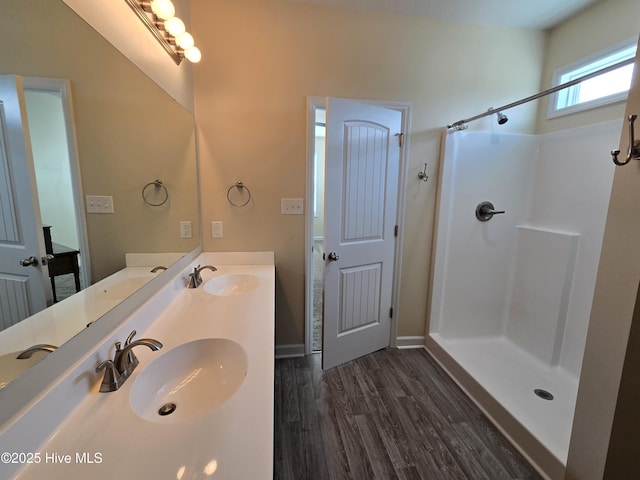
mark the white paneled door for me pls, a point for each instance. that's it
(361, 196)
(23, 278)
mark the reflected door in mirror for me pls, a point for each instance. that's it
(23, 289)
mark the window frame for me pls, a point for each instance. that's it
(553, 111)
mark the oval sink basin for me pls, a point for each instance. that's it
(235, 284)
(125, 287)
(189, 380)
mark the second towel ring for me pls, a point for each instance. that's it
(240, 186)
(158, 185)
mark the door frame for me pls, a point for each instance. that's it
(405, 109)
(63, 88)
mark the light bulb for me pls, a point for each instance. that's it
(174, 26)
(185, 41)
(193, 54)
(163, 9)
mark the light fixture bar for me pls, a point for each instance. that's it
(173, 51)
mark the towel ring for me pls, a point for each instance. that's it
(158, 185)
(240, 186)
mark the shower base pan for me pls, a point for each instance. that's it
(502, 379)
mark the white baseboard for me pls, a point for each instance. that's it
(289, 351)
(297, 349)
(410, 342)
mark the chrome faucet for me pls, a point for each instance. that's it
(195, 279)
(44, 347)
(124, 362)
(158, 268)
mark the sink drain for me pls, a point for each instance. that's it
(543, 394)
(167, 409)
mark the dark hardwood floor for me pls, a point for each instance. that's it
(393, 414)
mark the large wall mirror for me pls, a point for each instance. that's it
(129, 133)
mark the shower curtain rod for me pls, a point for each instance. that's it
(460, 124)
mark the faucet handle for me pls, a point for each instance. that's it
(132, 360)
(111, 380)
(130, 337)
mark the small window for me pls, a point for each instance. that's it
(600, 90)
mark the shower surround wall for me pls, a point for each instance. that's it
(511, 297)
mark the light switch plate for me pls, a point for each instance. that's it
(291, 206)
(99, 204)
(216, 229)
(185, 229)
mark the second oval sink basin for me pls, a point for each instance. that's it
(234, 284)
(189, 380)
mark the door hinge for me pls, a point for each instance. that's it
(391, 312)
(400, 139)
(395, 231)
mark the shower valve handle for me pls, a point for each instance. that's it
(495, 212)
(485, 211)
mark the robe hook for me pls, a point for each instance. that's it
(423, 174)
(633, 153)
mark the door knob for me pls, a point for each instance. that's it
(333, 257)
(47, 258)
(27, 262)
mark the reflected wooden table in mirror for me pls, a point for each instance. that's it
(65, 261)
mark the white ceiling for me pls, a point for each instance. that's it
(537, 14)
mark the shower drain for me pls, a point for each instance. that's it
(543, 394)
(167, 409)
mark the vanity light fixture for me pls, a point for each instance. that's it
(159, 17)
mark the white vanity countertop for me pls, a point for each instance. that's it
(232, 441)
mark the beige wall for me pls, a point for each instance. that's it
(603, 25)
(623, 456)
(263, 58)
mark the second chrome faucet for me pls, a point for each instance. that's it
(124, 362)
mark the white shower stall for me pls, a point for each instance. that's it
(511, 296)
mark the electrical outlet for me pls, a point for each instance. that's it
(185, 229)
(291, 206)
(99, 204)
(216, 229)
